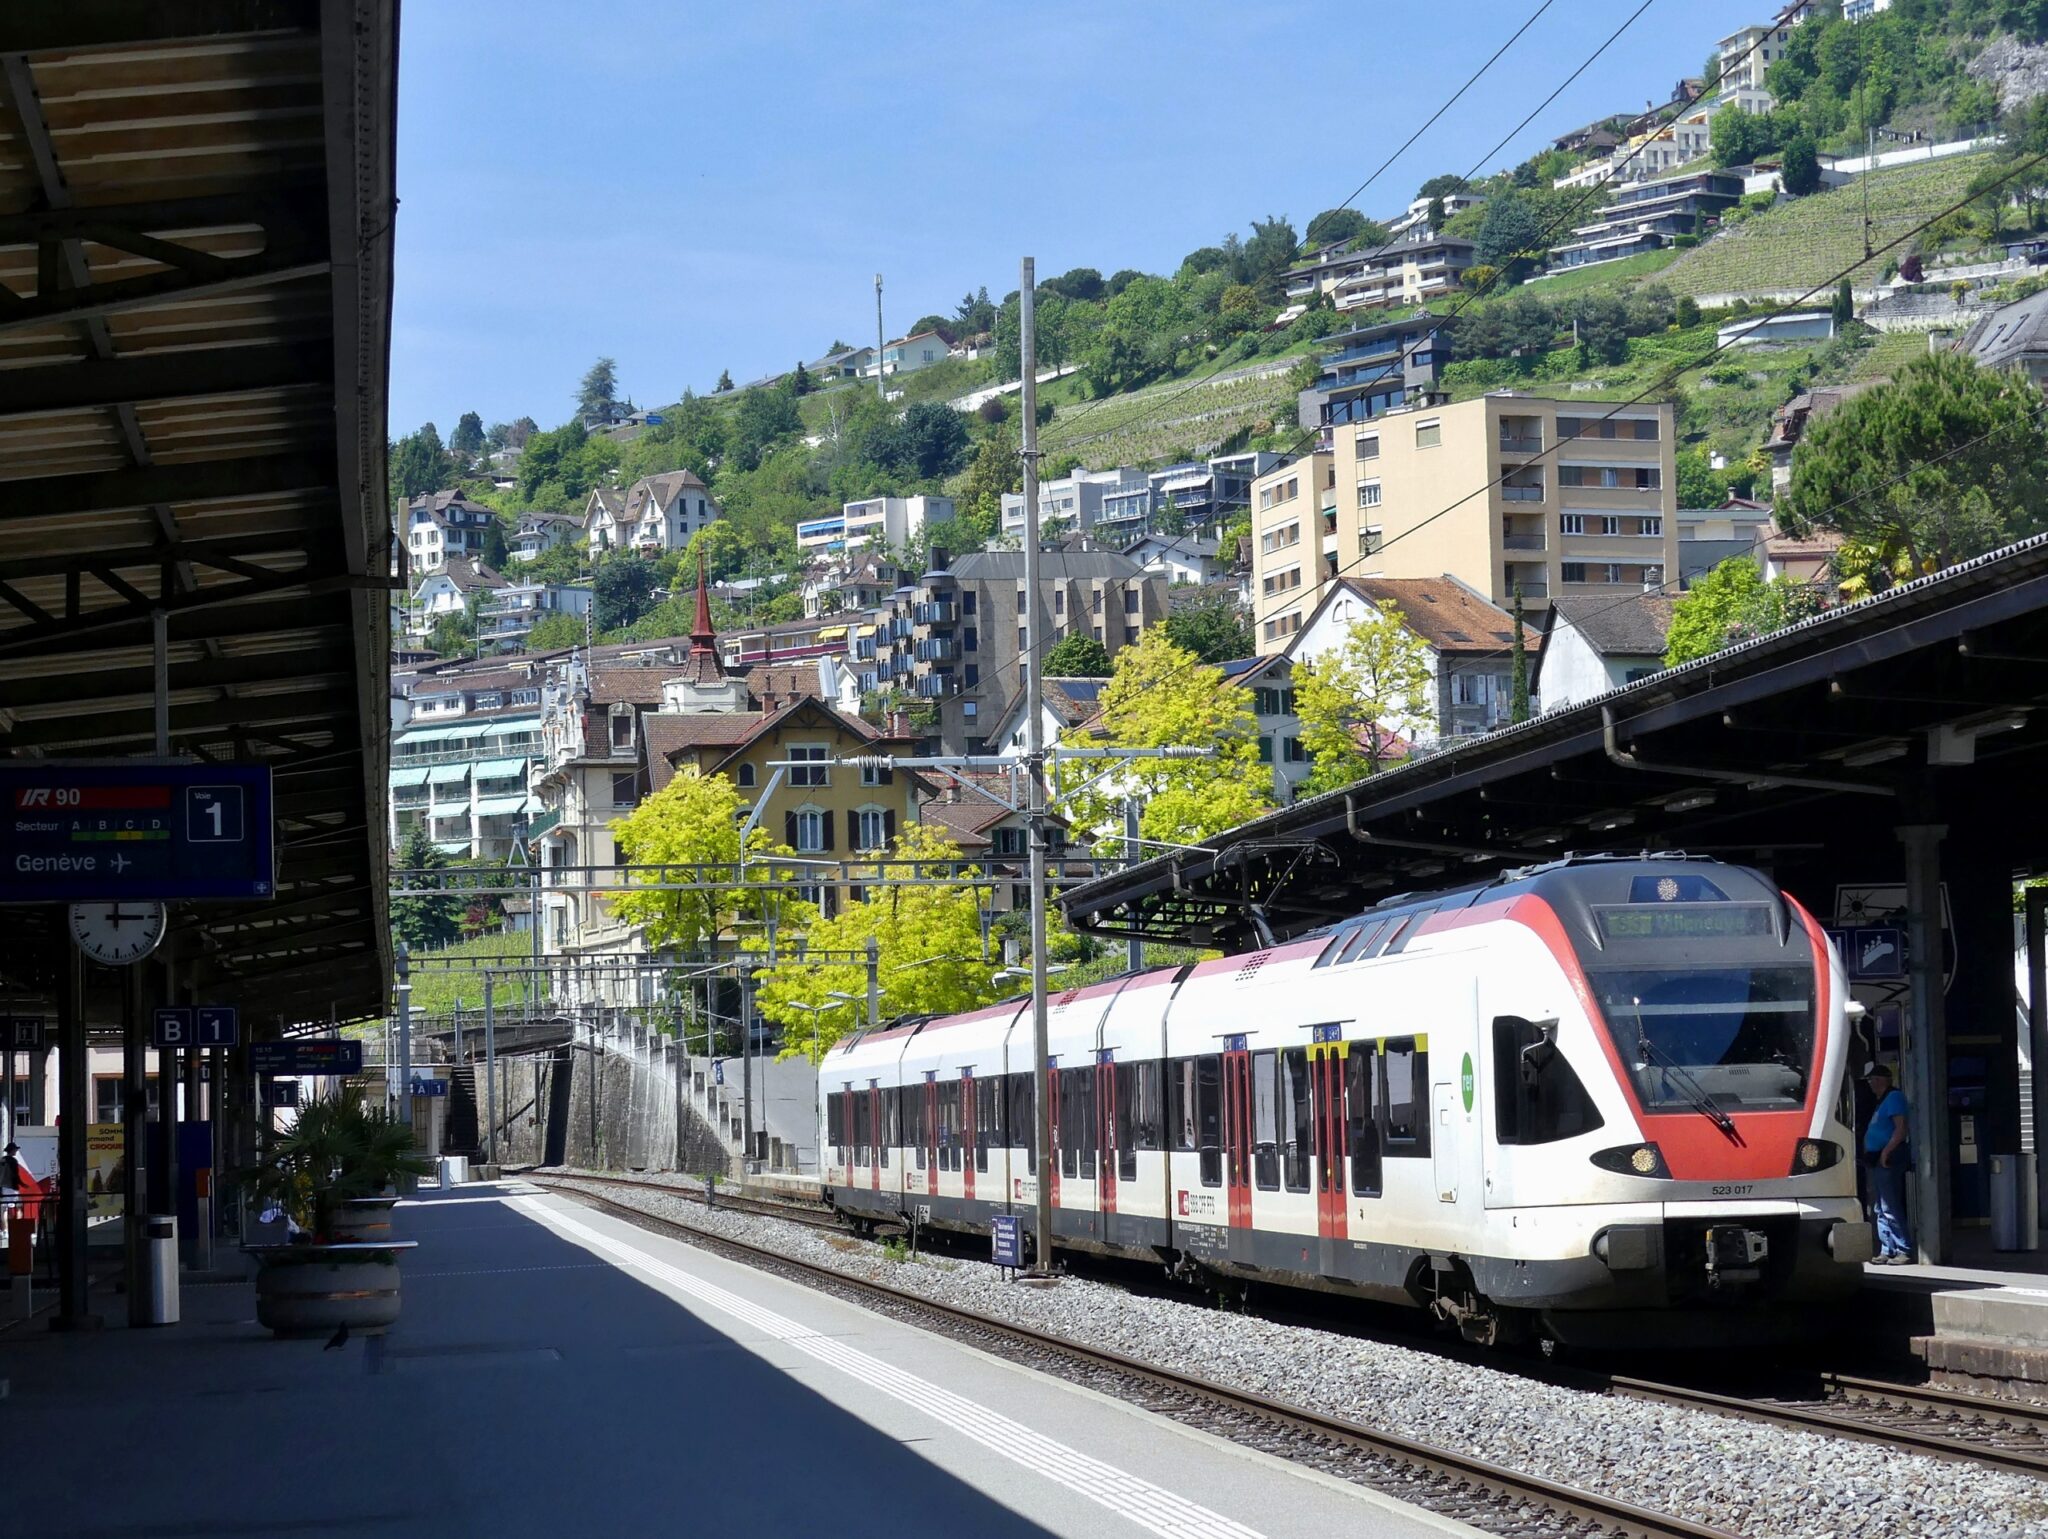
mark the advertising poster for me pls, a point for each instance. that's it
(104, 1169)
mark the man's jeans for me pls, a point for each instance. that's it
(1888, 1207)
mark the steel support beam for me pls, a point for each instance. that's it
(94, 382)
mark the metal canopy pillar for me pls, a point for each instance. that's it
(2037, 1034)
(73, 1085)
(1924, 1046)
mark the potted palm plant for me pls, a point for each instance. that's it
(339, 1271)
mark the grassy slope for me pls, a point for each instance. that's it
(1603, 275)
(1807, 242)
(435, 989)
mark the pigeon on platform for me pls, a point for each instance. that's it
(338, 1339)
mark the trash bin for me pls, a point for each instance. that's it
(2008, 1192)
(160, 1269)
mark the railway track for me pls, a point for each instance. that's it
(1942, 1423)
(1457, 1485)
(812, 1215)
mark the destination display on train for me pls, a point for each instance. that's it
(1685, 921)
(74, 832)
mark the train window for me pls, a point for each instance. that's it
(1077, 1132)
(1123, 1099)
(863, 1123)
(835, 1126)
(1537, 1096)
(1405, 1073)
(1294, 1121)
(988, 1110)
(914, 1123)
(1209, 1117)
(1023, 1118)
(949, 1125)
(1384, 939)
(1333, 948)
(1266, 1121)
(890, 1115)
(1408, 931)
(1180, 1085)
(1089, 1134)
(1361, 938)
(1361, 1107)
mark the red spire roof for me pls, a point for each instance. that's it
(701, 632)
(703, 665)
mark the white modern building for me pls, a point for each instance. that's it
(540, 533)
(507, 615)
(1076, 499)
(887, 523)
(463, 755)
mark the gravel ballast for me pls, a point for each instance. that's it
(1743, 1476)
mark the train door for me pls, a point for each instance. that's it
(1048, 1123)
(1326, 1090)
(1237, 1133)
(1446, 1130)
(875, 1134)
(967, 1132)
(1105, 1122)
(931, 1133)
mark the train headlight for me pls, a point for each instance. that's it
(1814, 1154)
(1633, 1160)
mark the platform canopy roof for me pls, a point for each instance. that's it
(1927, 704)
(196, 204)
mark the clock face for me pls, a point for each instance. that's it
(116, 934)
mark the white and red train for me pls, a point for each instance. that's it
(1603, 1098)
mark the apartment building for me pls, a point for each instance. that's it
(463, 747)
(1647, 216)
(451, 589)
(1506, 491)
(540, 533)
(1747, 54)
(887, 523)
(1410, 271)
(906, 355)
(1203, 493)
(1075, 499)
(508, 614)
(1371, 368)
(1416, 215)
(961, 637)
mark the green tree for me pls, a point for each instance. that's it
(1737, 138)
(928, 954)
(996, 469)
(1800, 166)
(1518, 674)
(1212, 627)
(557, 469)
(1442, 186)
(1732, 603)
(429, 920)
(1436, 213)
(1685, 312)
(555, 632)
(494, 551)
(599, 389)
(724, 382)
(1512, 236)
(1333, 225)
(1358, 697)
(929, 442)
(466, 443)
(1944, 462)
(1843, 307)
(1159, 696)
(622, 589)
(1075, 656)
(419, 464)
(768, 418)
(1082, 283)
(800, 381)
(1266, 256)
(695, 821)
(454, 634)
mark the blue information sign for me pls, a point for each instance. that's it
(1007, 1240)
(308, 1055)
(216, 1025)
(193, 1026)
(1871, 951)
(428, 1087)
(73, 832)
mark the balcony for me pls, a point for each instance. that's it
(1521, 491)
(937, 612)
(1520, 443)
(1522, 542)
(935, 649)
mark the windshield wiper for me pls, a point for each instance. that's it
(1699, 1100)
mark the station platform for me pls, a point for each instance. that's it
(559, 1371)
(1981, 1324)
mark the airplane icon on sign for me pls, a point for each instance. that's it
(121, 863)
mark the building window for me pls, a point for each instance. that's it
(970, 639)
(625, 790)
(1023, 638)
(1130, 635)
(746, 776)
(870, 829)
(1572, 523)
(1296, 754)
(1059, 601)
(972, 672)
(1265, 749)
(1367, 446)
(1573, 571)
(1428, 434)
(1130, 601)
(877, 775)
(1368, 494)
(967, 602)
(1650, 526)
(969, 710)
(1609, 524)
(1646, 429)
(812, 771)
(622, 729)
(1095, 601)
(1614, 571)
(1281, 538)
(811, 831)
(1370, 540)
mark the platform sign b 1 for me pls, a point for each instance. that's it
(1006, 1240)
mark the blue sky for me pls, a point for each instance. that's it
(697, 185)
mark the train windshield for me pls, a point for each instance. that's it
(1737, 1038)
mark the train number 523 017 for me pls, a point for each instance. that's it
(1735, 1191)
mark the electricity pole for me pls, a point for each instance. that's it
(881, 380)
(1034, 761)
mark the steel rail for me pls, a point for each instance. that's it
(813, 1215)
(1577, 1504)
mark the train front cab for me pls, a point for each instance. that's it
(1665, 1143)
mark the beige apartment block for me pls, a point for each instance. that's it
(1559, 498)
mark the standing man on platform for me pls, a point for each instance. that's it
(1889, 1155)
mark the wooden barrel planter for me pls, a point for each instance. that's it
(364, 1218)
(309, 1290)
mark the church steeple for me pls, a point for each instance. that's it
(702, 637)
(703, 684)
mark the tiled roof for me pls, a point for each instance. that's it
(1636, 626)
(1445, 613)
(627, 685)
(2010, 332)
(468, 576)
